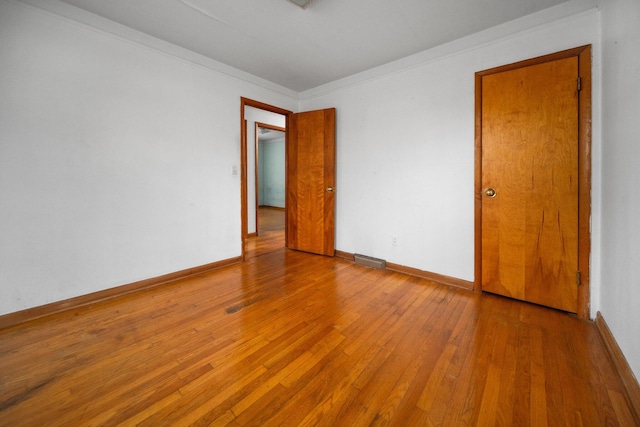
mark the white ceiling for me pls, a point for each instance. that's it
(302, 49)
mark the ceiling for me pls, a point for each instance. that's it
(304, 48)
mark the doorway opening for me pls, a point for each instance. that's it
(254, 116)
(309, 176)
(270, 177)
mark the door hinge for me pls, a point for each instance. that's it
(578, 278)
(579, 84)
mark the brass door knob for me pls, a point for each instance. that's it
(490, 192)
(330, 189)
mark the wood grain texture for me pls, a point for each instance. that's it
(584, 231)
(310, 171)
(29, 314)
(530, 156)
(529, 145)
(289, 338)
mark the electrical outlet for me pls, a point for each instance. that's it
(234, 170)
(394, 241)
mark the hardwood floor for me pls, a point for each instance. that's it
(270, 232)
(288, 338)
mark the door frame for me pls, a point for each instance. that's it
(584, 166)
(259, 125)
(244, 213)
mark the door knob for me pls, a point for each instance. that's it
(490, 192)
(330, 189)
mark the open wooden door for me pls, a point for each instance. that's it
(310, 197)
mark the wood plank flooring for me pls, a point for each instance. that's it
(288, 338)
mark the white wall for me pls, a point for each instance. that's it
(115, 158)
(253, 115)
(405, 144)
(621, 175)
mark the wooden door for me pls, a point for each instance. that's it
(530, 183)
(310, 197)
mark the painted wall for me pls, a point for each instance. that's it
(271, 173)
(620, 205)
(116, 158)
(405, 142)
(253, 115)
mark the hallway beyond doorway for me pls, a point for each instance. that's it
(270, 232)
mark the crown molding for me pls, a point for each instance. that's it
(73, 14)
(93, 22)
(532, 22)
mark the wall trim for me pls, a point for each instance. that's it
(34, 313)
(344, 255)
(572, 9)
(427, 275)
(433, 277)
(89, 21)
(621, 366)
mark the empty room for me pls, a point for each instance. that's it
(323, 213)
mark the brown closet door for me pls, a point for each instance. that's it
(530, 183)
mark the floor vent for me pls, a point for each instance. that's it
(369, 261)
